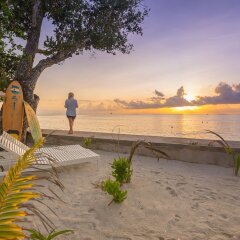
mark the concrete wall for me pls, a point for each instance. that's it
(188, 151)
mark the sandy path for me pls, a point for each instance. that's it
(169, 200)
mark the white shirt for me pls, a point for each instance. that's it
(71, 105)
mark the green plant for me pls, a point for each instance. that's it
(87, 142)
(16, 190)
(113, 188)
(228, 150)
(36, 235)
(122, 170)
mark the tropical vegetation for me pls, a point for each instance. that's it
(37, 235)
(113, 188)
(76, 27)
(122, 170)
(17, 190)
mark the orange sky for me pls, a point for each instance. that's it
(105, 107)
(208, 109)
(194, 44)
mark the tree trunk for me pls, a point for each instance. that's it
(24, 74)
(32, 99)
(1, 130)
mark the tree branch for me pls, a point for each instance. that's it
(55, 59)
(44, 52)
(26, 63)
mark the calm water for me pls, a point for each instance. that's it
(187, 126)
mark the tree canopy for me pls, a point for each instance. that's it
(77, 26)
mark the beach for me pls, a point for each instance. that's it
(167, 200)
(120, 120)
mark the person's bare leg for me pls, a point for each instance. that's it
(70, 125)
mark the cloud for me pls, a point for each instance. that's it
(159, 94)
(158, 101)
(97, 106)
(225, 94)
(52, 106)
(137, 104)
(178, 100)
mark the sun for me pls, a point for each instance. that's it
(189, 97)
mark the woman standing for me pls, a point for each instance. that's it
(71, 105)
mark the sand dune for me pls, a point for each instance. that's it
(167, 200)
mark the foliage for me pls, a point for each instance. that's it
(9, 49)
(76, 26)
(104, 24)
(36, 235)
(122, 167)
(122, 170)
(235, 155)
(87, 142)
(4, 82)
(16, 190)
(113, 188)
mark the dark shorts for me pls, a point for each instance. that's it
(71, 117)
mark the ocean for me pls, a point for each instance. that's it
(184, 126)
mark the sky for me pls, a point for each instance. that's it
(187, 61)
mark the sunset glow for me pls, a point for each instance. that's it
(189, 97)
(186, 51)
(185, 109)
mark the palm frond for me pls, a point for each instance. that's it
(15, 190)
(36, 235)
(222, 142)
(235, 155)
(149, 146)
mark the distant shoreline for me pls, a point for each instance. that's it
(140, 114)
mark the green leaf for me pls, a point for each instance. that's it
(113, 188)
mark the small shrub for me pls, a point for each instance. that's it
(87, 142)
(113, 188)
(122, 170)
(36, 235)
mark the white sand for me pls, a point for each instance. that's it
(167, 200)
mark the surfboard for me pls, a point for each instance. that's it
(33, 123)
(13, 110)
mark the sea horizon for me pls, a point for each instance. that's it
(133, 114)
(165, 125)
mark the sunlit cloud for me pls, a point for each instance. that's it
(157, 101)
(224, 94)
